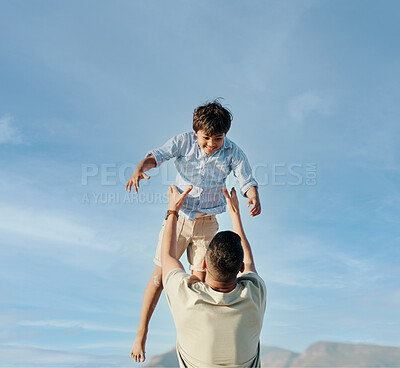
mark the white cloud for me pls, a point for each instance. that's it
(49, 225)
(15, 355)
(88, 326)
(308, 103)
(302, 261)
(75, 324)
(8, 132)
(105, 345)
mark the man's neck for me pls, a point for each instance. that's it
(223, 287)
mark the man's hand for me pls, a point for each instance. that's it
(237, 227)
(137, 175)
(232, 201)
(176, 199)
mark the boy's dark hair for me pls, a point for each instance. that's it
(224, 256)
(213, 118)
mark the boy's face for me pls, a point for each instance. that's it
(209, 143)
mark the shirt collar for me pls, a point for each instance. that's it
(227, 143)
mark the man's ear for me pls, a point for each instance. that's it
(204, 264)
(242, 268)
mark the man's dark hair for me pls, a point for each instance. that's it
(224, 256)
(213, 118)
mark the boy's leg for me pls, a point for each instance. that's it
(153, 290)
(150, 298)
(200, 274)
(204, 230)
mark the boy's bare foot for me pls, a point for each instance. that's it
(137, 353)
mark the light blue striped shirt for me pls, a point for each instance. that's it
(207, 173)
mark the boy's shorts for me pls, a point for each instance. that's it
(194, 235)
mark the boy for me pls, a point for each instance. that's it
(203, 160)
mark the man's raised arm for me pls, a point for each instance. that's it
(169, 260)
(237, 227)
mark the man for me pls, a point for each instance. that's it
(218, 321)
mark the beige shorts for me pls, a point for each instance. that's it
(195, 236)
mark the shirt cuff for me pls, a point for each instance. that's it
(247, 186)
(157, 155)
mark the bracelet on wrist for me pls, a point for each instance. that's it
(172, 212)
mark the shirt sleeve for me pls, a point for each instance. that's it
(172, 282)
(258, 286)
(242, 170)
(172, 148)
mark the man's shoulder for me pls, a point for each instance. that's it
(255, 287)
(253, 278)
(177, 287)
(174, 277)
(250, 275)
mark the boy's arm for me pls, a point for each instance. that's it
(233, 209)
(172, 148)
(169, 260)
(248, 185)
(139, 173)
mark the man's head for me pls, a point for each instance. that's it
(224, 257)
(211, 122)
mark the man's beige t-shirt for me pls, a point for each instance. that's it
(215, 328)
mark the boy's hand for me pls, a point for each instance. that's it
(137, 175)
(254, 199)
(176, 199)
(232, 201)
(256, 209)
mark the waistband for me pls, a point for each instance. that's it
(202, 215)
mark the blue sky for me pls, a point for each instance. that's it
(87, 88)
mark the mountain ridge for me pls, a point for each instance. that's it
(319, 354)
